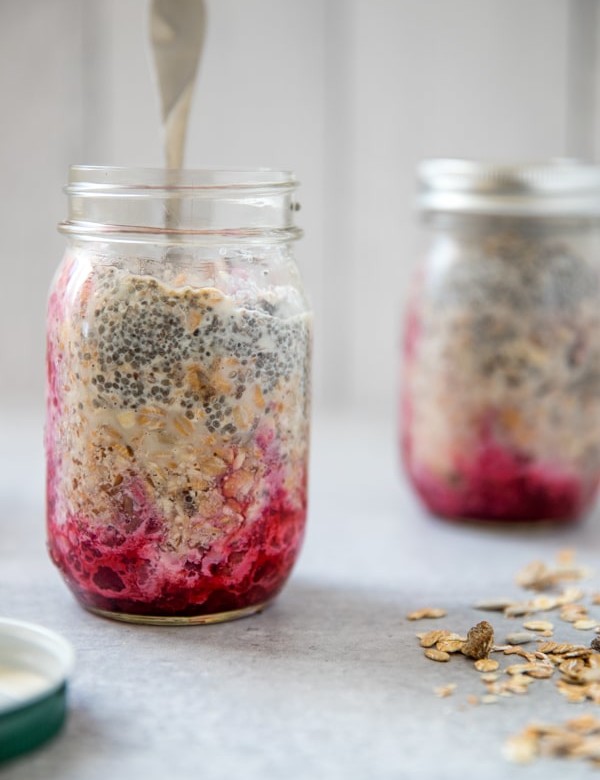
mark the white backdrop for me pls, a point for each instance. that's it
(348, 93)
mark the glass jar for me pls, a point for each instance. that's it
(178, 357)
(501, 386)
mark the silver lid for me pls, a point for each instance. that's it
(557, 187)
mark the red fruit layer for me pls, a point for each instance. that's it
(498, 484)
(130, 572)
(492, 481)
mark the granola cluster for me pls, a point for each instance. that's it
(177, 440)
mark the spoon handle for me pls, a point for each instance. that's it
(177, 31)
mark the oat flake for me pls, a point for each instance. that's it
(436, 655)
(538, 625)
(426, 612)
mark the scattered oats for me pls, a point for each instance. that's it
(436, 655)
(450, 645)
(593, 693)
(531, 575)
(430, 638)
(541, 671)
(573, 612)
(538, 625)
(573, 693)
(538, 576)
(520, 638)
(518, 668)
(538, 671)
(519, 651)
(569, 595)
(543, 603)
(578, 652)
(480, 640)
(489, 677)
(576, 666)
(576, 738)
(584, 724)
(518, 609)
(572, 668)
(445, 690)
(426, 612)
(558, 648)
(497, 687)
(518, 684)
(587, 748)
(566, 556)
(561, 744)
(494, 605)
(522, 748)
(585, 624)
(591, 676)
(486, 665)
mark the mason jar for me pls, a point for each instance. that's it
(178, 357)
(500, 402)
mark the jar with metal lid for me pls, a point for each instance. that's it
(500, 405)
(178, 359)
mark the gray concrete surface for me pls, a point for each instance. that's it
(328, 683)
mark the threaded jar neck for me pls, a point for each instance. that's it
(190, 206)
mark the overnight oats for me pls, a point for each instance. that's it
(178, 408)
(500, 406)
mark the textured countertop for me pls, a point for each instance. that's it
(328, 683)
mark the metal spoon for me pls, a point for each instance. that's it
(177, 29)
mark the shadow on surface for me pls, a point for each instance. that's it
(50, 759)
(321, 623)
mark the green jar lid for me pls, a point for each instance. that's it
(34, 666)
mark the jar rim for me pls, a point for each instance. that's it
(558, 186)
(182, 206)
(95, 179)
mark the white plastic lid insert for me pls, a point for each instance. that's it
(35, 664)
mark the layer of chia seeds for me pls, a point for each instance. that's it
(177, 440)
(501, 406)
